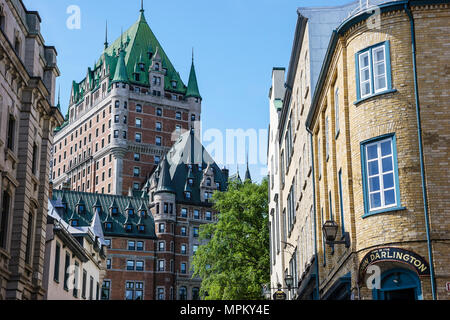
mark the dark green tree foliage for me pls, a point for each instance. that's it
(235, 263)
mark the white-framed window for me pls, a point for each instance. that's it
(138, 137)
(161, 265)
(373, 70)
(380, 174)
(364, 74)
(140, 265)
(130, 265)
(336, 111)
(161, 293)
(183, 268)
(134, 290)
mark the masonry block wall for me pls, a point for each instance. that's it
(391, 113)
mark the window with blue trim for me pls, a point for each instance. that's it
(373, 70)
(341, 205)
(380, 174)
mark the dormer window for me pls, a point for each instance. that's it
(108, 226)
(174, 83)
(191, 181)
(137, 77)
(130, 212)
(114, 211)
(142, 66)
(141, 228)
(128, 227)
(218, 185)
(74, 222)
(187, 194)
(98, 210)
(80, 209)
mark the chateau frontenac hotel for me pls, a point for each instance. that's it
(124, 116)
(129, 154)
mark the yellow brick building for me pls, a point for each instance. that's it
(380, 171)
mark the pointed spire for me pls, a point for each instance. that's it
(121, 74)
(247, 172)
(237, 176)
(106, 35)
(165, 181)
(59, 98)
(121, 39)
(142, 16)
(192, 88)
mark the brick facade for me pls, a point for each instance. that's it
(390, 113)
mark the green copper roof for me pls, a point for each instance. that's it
(139, 41)
(192, 89)
(121, 74)
(92, 200)
(139, 44)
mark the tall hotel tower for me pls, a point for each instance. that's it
(124, 116)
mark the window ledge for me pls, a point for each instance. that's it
(368, 214)
(374, 95)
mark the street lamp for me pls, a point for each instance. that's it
(330, 229)
(289, 280)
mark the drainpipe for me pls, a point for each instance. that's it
(419, 132)
(314, 209)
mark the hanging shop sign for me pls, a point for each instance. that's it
(397, 255)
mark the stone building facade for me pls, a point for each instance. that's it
(390, 214)
(152, 235)
(380, 68)
(124, 116)
(290, 163)
(28, 117)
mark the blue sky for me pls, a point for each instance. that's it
(237, 43)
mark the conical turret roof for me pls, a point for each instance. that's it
(165, 181)
(192, 88)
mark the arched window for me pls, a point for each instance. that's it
(195, 294)
(183, 293)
